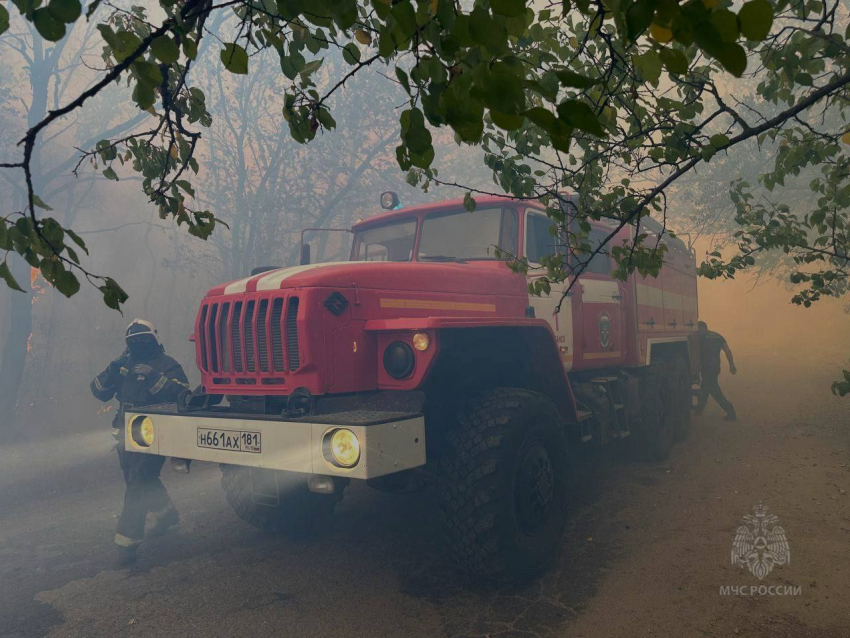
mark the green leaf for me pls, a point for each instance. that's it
(109, 173)
(165, 50)
(500, 88)
(639, 17)
(804, 79)
(77, 239)
(190, 48)
(148, 73)
(506, 121)
(292, 65)
(235, 58)
(311, 67)
(36, 200)
(463, 114)
(719, 140)
(405, 17)
(113, 294)
(508, 8)
(726, 24)
(52, 231)
(559, 132)
(648, 65)
(6, 275)
(67, 283)
(122, 44)
(351, 53)
(186, 186)
(575, 80)
(581, 116)
(674, 61)
(733, 58)
(48, 27)
(325, 118)
(485, 30)
(416, 135)
(402, 77)
(66, 11)
(4, 19)
(144, 96)
(756, 18)
(468, 202)
(541, 117)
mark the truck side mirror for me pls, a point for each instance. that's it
(305, 254)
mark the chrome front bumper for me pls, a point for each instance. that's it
(294, 446)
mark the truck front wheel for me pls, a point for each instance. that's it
(503, 484)
(276, 501)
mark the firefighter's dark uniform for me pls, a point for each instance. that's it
(157, 379)
(711, 344)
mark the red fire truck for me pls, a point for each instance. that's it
(423, 361)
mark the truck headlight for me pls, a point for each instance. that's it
(142, 431)
(399, 360)
(421, 341)
(342, 448)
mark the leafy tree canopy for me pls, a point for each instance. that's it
(612, 100)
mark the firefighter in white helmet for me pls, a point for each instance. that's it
(142, 375)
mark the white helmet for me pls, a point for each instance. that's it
(140, 327)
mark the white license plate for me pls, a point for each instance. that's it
(230, 440)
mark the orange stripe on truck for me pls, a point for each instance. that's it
(601, 355)
(427, 304)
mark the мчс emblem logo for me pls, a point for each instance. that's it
(604, 321)
(760, 544)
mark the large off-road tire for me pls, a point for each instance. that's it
(656, 428)
(276, 501)
(503, 484)
(680, 397)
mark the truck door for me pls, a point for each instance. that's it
(601, 303)
(539, 243)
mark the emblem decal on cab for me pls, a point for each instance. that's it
(604, 323)
(336, 303)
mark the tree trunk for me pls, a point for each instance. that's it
(19, 317)
(19, 320)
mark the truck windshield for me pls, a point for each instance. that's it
(390, 242)
(458, 235)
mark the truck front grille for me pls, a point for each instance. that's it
(249, 336)
(292, 334)
(262, 336)
(277, 334)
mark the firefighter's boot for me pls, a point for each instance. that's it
(181, 466)
(164, 521)
(126, 556)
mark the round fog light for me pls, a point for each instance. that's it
(421, 341)
(342, 448)
(399, 360)
(142, 432)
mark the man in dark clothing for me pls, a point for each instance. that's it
(710, 346)
(142, 375)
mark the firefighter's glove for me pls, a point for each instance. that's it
(116, 364)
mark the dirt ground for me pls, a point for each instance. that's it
(646, 554)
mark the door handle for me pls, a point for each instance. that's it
(616, 296)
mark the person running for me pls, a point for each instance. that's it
(711, 344)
